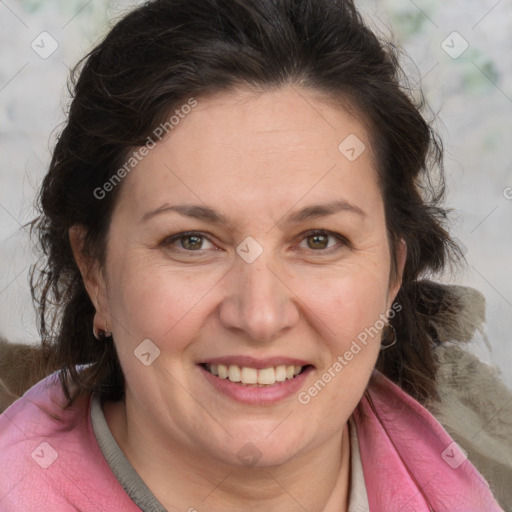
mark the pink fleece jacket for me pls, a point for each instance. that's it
(50, 459)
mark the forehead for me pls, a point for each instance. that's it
(257, 150)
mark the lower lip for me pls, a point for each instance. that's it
(264, 395)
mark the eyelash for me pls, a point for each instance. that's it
(344, 242)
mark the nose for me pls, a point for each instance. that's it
(259, 303)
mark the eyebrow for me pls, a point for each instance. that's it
(209, 215)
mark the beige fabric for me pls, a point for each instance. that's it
(358, 498)
(476, 410)
(21, 366)
(475, 406)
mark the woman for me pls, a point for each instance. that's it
(237, 217)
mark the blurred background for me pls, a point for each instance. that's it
(458, 52)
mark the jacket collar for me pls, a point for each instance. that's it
(409, 461)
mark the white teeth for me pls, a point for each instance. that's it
(267, 376)
(280, 373)
(234, 373)
(223, 371)
(246, 375)
(249, 375)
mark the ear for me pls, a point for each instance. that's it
(92, 275)
(401, 257)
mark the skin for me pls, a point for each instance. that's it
(255, 158)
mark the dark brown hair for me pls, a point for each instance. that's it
(161, 54)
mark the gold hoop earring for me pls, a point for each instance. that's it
(395, 339)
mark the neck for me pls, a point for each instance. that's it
(317, 481)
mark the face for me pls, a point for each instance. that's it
(243, 241)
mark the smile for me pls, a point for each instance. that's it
(254, 381)
(248, 376)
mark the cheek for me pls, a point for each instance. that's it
(347, 301)
(358, 302)
(149, 299)
(348, 309)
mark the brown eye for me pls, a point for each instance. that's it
(189, 242)
(319, 241)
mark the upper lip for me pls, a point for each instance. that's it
(258, 363)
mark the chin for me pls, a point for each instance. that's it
(259, 451)
(253, 456)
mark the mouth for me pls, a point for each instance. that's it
(256, 381)
(248, 376)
